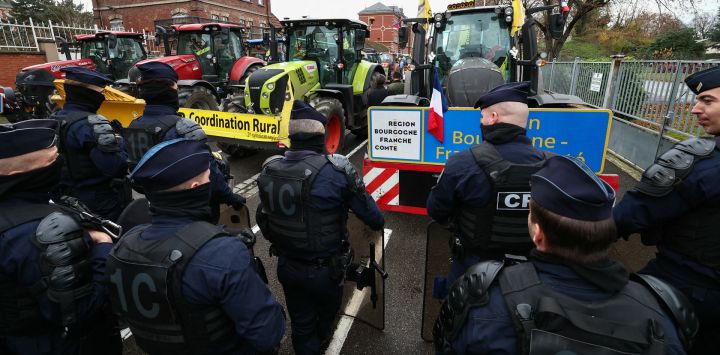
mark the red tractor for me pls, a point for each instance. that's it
(111, 53)
(208, 59)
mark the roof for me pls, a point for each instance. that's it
(320, 21)
(380, 8)
(117, 33)
(200, 26)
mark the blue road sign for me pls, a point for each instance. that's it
(399, 134)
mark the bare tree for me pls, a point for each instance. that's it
(703, 23)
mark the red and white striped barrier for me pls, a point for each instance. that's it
(383, 184)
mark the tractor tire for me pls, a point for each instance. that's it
(335, 128)
(248, 72)
(198, 97)
(235, 103)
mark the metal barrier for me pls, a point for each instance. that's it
(650, 102)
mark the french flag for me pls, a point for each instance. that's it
(438, 107)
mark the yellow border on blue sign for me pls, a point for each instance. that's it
(422, 143)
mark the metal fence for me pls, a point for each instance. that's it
(649, 99)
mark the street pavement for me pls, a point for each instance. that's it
(404, 261)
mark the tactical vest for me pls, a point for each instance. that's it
(78, 165)
(500, 226)
(293, 225)
(144, 134)
(19, 311)
(546, 320)
(146, 291)
(693, 234)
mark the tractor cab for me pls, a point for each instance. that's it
(113, 53)
(333, 44)
(216, 46)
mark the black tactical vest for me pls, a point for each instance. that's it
(292, 225)
(694, 234)
(144, 134)
(146, 291)
(499, 227)
(546, 320)
(19, 311)
(78, 165)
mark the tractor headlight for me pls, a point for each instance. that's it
(438, 17)
(265, 95)
(508, 11)
(270, 86)
(508, 18)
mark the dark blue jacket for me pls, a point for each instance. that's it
(221, 191)
(20, 261)
(490, 330)
(330, 190)
(222, 272)
(637, 212)
(80, 136)
(464, 183)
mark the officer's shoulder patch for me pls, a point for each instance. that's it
(271, 159)
(97, 119)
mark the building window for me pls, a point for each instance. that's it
(116, 24)
(261, 2)
(225, 19)
(214, 17)
(250, 23)
(242, 22)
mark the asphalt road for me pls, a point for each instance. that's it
(404, 261)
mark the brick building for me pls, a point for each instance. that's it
(140, 14)
(383, 22)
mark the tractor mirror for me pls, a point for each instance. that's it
(403, 36)
(360, 39)
(112, 41)
(557, 25)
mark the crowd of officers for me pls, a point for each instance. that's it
(525, 278)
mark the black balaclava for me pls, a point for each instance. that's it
(159, 92)
(501, 132)
(89, 100)
(193, 203)
(307, 141)
(41, 180)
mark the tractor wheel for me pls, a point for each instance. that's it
(335, 128)
(235, 103)
(198, 97)
(248, 72)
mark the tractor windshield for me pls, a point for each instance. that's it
(126, 53)
(315, 43)
(471, 34)
(224, 46)
(96, 50)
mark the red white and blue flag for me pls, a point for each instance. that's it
(438, 107)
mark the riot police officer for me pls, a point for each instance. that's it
(305, 197)
(569, 295)
(95, 159)
(483, 191)
(186, 286)
(676, 206)
(51, 269)
(160, 122)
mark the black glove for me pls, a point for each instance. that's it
(247, 236)
(238, 202)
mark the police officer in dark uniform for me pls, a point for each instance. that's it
(305, 197)
(95, 158)
(186, 286)
(569, 297)
(51, 270)
(483, 192)
(160, 122)
(676, 206)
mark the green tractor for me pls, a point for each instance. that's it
(325, 68)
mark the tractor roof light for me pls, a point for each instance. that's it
(438, 24)
(341, 66)
(508, 18)
(508, 10)
(438, 17)
(540, 62)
